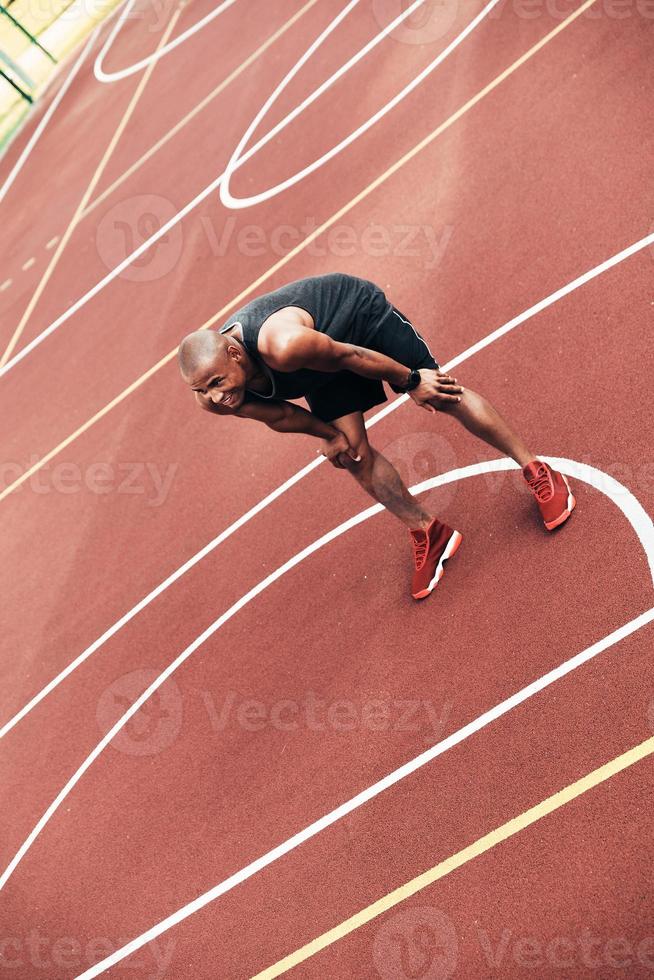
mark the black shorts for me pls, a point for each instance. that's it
(347, 392)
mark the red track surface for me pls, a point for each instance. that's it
(541, 181)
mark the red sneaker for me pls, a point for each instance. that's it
(552, 492)
(431, 549)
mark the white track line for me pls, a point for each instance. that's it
(619, 634)
(372, 791)
(209, 189)
(99, 169)
(391, 407)
(151, 596)
(615, 491)
(52, 108)
(244, 202)
(114, 76)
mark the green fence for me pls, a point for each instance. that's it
(35, 37)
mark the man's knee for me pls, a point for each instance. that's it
(446, 407)
(363, 449)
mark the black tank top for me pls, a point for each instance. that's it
(344, 307)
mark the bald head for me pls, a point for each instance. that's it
(201, 351)
(217, 367)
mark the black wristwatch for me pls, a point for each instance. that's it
(412, 381)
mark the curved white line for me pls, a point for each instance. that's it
(226, 196)
(144, 246)
(632, 509)
(371, 792)
(103, 76)
(615, 491)
(391, 407)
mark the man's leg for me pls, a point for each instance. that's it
(433, 542)
(551, 489)
(378, 476)
(485, 422)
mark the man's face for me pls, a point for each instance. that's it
(222, 379)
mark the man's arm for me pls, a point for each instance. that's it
(292, 347)
(285, 417)
(278, 415)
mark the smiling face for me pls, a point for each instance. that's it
(221, 380)
(216, 367)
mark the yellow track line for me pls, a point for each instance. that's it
(75, 220)
(234, 303)
(199, 107)
(457, 860)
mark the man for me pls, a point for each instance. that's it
(333, 340)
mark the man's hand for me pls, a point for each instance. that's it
(436, 387)
(337, 446)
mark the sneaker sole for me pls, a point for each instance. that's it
(450, 549)
(571, 504)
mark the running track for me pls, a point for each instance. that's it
(518, 166)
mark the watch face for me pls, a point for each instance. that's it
(414, 380)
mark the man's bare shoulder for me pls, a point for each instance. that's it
(281, 331)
